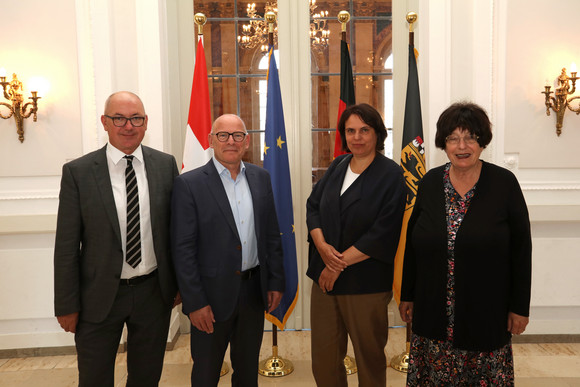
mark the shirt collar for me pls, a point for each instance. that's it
(116, 155)
(220, 168)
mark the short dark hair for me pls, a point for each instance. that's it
(370, 116)
(465, 116)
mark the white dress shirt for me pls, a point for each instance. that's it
(240, 199)
(117, 165)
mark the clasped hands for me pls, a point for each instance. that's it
(334, 266)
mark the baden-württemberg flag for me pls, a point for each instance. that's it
(276, 162)
(412, 160)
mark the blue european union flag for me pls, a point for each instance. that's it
(276, 162)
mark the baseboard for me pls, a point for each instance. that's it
(529, 339)
(68, 350)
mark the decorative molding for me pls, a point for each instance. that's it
(48, 196)
(550, 186)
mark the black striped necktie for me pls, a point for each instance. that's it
(133, 255)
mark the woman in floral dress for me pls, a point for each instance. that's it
(467, 268)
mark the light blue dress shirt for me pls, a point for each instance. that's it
(240, 199)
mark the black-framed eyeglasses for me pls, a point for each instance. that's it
(120, 121)
(223, 136)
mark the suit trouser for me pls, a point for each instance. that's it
(243, 331)
(141, 307)
(363, 317)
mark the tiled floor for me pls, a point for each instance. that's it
(536, 365)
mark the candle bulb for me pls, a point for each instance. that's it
(573, 68)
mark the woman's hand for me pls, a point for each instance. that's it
(332, 258)
(516, 324)
(406, 311)
(327, 279)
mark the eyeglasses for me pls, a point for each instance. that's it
(470, 139)
(223, 136)
(120, 121)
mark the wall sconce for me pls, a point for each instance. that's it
(13, 93)
(560, 101)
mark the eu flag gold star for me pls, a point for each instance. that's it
(266, 149)
(280, 142)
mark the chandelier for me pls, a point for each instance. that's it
(255, 32)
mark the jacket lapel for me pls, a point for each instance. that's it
(101, 173)
(332, 197)
(255, 189)
(216, 187)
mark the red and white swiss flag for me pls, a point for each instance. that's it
(196, 151)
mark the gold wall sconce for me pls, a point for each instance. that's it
(560, 101)
(17, 108)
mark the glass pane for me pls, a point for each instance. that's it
(322, 153)
(370, 48)
(220, 47)
(255, 153)
(371, 8)
(250, 101)
(332, 6)
(325, 98)
(245, 9)
(223, 96)
(214, 8)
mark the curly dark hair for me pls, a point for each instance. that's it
(465, 116)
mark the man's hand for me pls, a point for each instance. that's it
(406, 311)
(327, 279)
(203, 319)
(177, 300)
(516, 323)
(274, 299)
(69, 322)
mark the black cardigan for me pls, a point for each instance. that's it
(368, 215)
(493, 262)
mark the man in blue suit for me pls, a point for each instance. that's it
(227, 254)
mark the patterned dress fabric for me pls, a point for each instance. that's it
(437, 362)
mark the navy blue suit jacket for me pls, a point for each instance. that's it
(206, 247)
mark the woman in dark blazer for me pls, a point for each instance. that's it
(467, 268)
(354, 217)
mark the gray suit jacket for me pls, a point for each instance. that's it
(205, 243)
(88, 254)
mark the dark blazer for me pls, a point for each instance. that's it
(88, 254)
(368, 215)
(492, 260)
(205, 242)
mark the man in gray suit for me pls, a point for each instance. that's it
(227, 255)
(112, 263)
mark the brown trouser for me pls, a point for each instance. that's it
(363, 317)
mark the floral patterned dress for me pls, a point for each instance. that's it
(437, 362)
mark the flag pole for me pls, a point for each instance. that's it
(401, 361)
(200, 19)
(343, 18)
(274, 365)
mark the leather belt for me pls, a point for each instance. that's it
(138, 280)
(247, 274)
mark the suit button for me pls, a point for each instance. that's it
(238, 247)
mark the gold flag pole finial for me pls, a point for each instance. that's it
(411, 18)
(270, 18)
(200, 19)
(343, 18)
